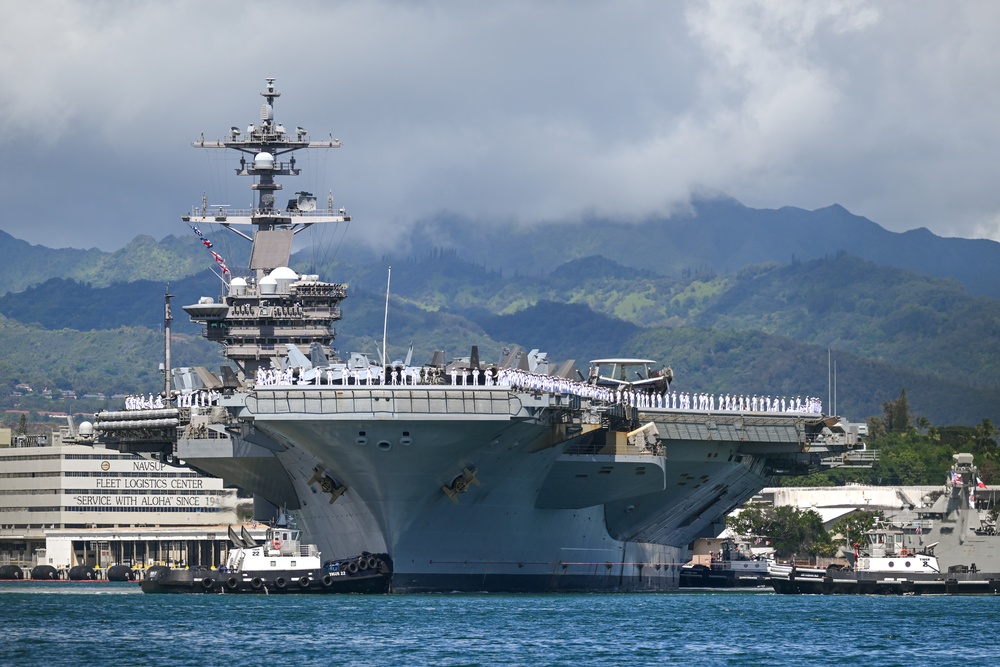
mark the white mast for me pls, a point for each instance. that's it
(385, 323)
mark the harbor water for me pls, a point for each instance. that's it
(68, 623)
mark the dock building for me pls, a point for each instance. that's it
(67, 502)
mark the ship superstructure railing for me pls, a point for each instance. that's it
(234, 215)
(418, 399)
(610, 448)
(298, 549)
(852, 459)
(202, 432)
(308, 551)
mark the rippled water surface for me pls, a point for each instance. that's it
(68, 623)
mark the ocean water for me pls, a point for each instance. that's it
(69, 623)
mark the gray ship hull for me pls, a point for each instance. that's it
(552, 506)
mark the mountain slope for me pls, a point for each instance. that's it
(143, 258)
(752, 362)
(848, 304)
(581, 291)
(720, 234)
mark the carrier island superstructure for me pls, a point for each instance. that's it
(471, 475)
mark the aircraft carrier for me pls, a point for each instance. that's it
(472, 475)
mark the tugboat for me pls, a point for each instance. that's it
(949, 548)
(281, 564)
(734, 568)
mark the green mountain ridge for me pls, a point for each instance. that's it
(719, 234)
(143, 258)
(121, 360)
(765, 328)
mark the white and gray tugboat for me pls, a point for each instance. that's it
(516, 474)
(280, 563)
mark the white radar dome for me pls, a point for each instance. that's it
(283, 277)
(263, 160)
(268, 285)
(86, 429)
(238, 286)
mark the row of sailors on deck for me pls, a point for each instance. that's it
(140, 402)
(745, 403)
(201, 398)
(374, 375)
(640, 398)
(521, 380)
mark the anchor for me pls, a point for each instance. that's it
(326, 484)
(461, 483)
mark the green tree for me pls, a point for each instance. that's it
(22, 427)
(853, 527)
(792, 531)
(800, 533)
(897, 414)
(751, 521)
(985, 438)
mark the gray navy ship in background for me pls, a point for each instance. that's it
(520, 474)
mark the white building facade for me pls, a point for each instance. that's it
(93, 502)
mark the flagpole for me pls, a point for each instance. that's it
(385, 323)
(167, 318)
(829, 380)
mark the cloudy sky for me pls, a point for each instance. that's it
(513, 111)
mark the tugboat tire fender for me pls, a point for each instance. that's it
(304, 582)
(352, 567)
(327, 581)
(362, 563)
(207, 583)
(280, 583)
(232, 583)
(372, 562)
(256, 583)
